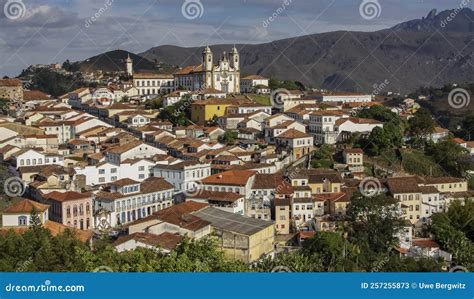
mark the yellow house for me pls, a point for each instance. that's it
(205, 110)
(447, 184)
(408, 193)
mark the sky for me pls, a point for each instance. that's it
(51, 31)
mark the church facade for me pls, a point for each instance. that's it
(223, 76)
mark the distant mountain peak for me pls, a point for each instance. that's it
(454, 20)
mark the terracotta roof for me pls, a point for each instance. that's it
(440, 130)
(428, 190)
(459, 140)
(120, 149)
(190, 69)
(25, 206)
(358, 121)
(154, 184)
(181, 216)
(66, 196)
(10, 82)
(254, 77)
(30, 95)
(231, 177)
(165, 240)
(55, 228)
(425, 243)
(354, 151)
(152, 76)
(217, 196)
(293, 134)
(403, 185)
(124, 182)
(329, 113)
(443, 180)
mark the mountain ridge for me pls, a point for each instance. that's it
(411, 54)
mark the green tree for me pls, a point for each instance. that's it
(454, 231)
(35, 220)
(373, 226)
(448, 155)
(229, 137)
(421, 124)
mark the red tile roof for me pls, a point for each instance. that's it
(231, 177)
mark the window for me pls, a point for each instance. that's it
(101, 171)
(22, 220)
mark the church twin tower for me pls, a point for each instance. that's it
(225, 75)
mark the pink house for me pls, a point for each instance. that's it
(71, 208)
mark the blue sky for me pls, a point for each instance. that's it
(51, 31)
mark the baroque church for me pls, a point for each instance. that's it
(223, 76)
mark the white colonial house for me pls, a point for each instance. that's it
(345, 97)
(150, 85)
(31, 157)
(185, 176)
(19, 214)
(346, 126)
(226, 201)
(252, 82)
(174, 97)
(138, 120)
(126, 200)
(322, 125)
(235, 181)
(246, 108)
(105, 172)
(132, 150)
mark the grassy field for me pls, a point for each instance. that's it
(261, 99)
(415, 162)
